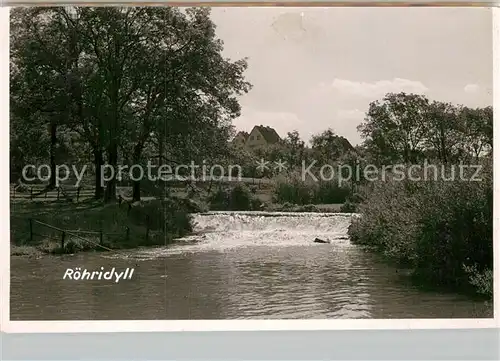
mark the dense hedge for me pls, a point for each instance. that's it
(237, 198)
(443, 230)
(296, 191)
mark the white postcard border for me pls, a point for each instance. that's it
(217, 325)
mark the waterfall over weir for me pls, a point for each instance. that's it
(224, 231)
(266, 222)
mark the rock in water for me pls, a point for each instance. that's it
(318, 240)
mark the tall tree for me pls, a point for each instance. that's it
(296, 148)
(394, 129)
(328, 147)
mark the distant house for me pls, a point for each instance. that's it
(240, 139)
(261, 136)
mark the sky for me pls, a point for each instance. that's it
(319, 68)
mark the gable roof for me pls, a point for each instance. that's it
(243, 134)
(268, 133)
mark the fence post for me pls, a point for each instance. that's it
(77, 194)
(127, 233)
(62, 240)
(31, 193)
(58, 190)
(14, 195)
(100, 237)
(31, 230)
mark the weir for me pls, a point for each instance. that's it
(224, 231)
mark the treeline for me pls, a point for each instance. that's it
(400, 129)
(408, 128)
(119, 86)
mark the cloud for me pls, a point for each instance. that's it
(379, 88)
(471, 88)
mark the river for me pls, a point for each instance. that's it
(249, 265)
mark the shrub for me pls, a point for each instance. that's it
(299, 192)
(294, 191)
(330, 193)
(348, 207)
(239, 198)
(219, 200)
(481, 281)
(169, 217)
(442, 229)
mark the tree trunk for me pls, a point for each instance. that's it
(53, 146)
(136, 185)
(114, 129)
(136, 191)
(161, 150)
(110, 194)
(98, 162)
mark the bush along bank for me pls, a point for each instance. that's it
(237, 198)
(145, 223)
(441, 230)
(299, 192)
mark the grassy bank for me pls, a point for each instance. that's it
(441, 230)
(95, 226)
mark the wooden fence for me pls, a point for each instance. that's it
(31, 191)
(77, 233)
(74, 233)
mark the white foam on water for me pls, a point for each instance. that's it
(224, 231)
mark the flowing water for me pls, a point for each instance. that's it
(241, 265)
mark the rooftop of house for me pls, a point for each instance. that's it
(242, 134)
(268, 133)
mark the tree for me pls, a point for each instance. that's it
(408, 128)
(328, 147)
(41, 86)
(394, 129)
(443, 136)
(296, 148)
(476, 126)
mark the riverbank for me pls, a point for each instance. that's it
(39, 227)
